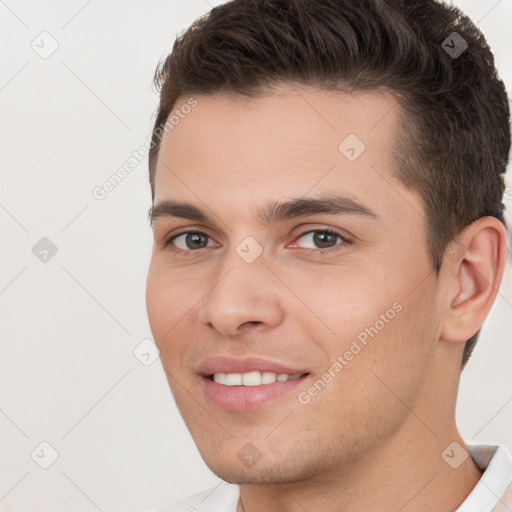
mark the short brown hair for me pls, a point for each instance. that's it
(454, 138)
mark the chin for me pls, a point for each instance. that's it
(263, 472)
(261, 476)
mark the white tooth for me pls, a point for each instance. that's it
(220, 378)
(233, 379)
(251, 379)
(268, 377)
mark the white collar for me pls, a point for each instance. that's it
(496, 462)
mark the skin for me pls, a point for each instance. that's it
(372, 439)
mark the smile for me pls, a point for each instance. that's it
(252, 382)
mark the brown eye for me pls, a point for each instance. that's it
(189, 241)
(323, 238)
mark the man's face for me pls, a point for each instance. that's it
(351, 317)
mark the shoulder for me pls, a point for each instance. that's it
(222, 498)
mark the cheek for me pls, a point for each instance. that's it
(172, 301)
(156, 299)
(340, 302)
(164, 302)
(373, 320)
(168, 291)
(398, 359)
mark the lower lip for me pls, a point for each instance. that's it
(243, 398)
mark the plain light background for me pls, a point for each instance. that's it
(69, 326)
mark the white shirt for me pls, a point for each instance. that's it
(493, 492)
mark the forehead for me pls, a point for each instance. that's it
(290, 142)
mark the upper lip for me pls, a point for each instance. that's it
(227, 364)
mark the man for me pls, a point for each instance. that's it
(327, 182)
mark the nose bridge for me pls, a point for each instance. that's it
(242, 291)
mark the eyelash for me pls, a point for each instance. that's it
(187, 252)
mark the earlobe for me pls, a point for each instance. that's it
(473, 278)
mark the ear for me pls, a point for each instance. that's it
(472, 271)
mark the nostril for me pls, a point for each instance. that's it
(251, 322)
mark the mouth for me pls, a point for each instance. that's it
(241, 385)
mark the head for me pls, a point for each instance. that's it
(265, 97)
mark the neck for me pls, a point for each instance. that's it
(409, 475)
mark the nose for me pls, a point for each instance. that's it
(243, 295)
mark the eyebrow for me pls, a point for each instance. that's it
(272, 212)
